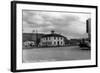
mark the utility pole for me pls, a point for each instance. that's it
(36, 38)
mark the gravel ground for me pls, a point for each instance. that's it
(55, 54)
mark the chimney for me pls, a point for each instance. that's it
(52, 32)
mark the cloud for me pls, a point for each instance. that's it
(68, 24)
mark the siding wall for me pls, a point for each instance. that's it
(54, 41)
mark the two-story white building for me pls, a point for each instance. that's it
(52, 39)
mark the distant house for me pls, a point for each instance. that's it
(75, 41)
(28, 44)
(32, 37)
(53, 39)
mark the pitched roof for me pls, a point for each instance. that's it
(54, 35)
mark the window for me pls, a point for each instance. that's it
(58, 38)
(55, 43)
(49, 43)
(54, 37)
(48, 38)
(61, 43)
(61, 38)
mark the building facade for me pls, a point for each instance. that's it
(40, 40)
(52, 39)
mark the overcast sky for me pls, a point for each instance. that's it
(71, 25)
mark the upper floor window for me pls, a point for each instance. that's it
(54, 37)
(48, 38)
(61, 38)
(58, 38)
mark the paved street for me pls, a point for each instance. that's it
(55, 54)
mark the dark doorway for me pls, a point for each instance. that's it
(58, 43)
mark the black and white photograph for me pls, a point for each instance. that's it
(47, 36)
(56, 36)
